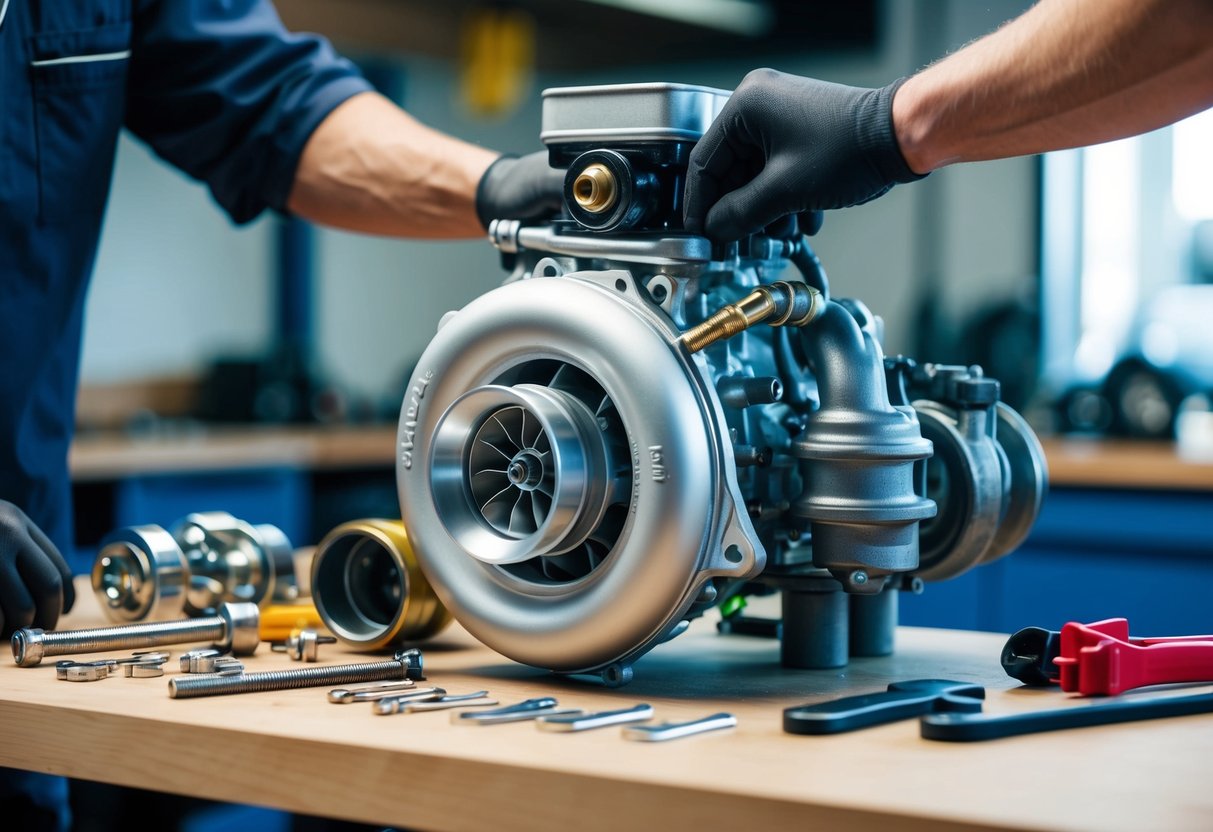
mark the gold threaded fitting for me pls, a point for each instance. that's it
(793, 304)
(595, 189)
(369, 588)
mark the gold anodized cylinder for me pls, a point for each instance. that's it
(369, 588)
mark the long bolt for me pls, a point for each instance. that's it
(234, 629)
(405, 665)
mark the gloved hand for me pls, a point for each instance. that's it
(784, 145)
(519, 188)
(35, 581)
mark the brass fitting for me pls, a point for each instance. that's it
(369, 589)
(595, 189)
(779, 304)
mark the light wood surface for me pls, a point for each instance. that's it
(1140, 464)
(293, 750)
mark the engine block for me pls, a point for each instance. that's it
(640, 425)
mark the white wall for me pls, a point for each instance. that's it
(175, 282)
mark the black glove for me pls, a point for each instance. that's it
(35, 581)
(516, 188)
(784, 145)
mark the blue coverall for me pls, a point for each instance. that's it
(216, 87)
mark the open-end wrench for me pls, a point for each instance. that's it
(347, 694)
(520, 712)
(675, 730)
(413, 704)
(902, 700)
(601, 719)
(344, 696)
(971, 727)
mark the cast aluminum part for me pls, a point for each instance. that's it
(368, 588)
(148, 573)
(635, 427)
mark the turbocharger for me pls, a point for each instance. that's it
(640, 425)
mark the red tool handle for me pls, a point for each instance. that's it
(1100, 659)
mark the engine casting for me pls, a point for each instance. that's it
(639, 426)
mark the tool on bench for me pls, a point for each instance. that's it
(409, 704)
(972, 727)
(83, 671)
(588, 721)
(143, 670)
(526, 710)
(676, 730)
(902, 700)
(373, 690)
(210, 660)
(393, 702)
(73, 671)
(1102, 659)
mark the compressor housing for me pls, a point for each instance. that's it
(639, 426)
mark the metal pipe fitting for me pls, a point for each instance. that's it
(864, 492)
(369, 589)
(233, 629)
(595, 189)
(145, 573)
(779, 304)
(740, 391)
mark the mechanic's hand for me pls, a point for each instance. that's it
(519, 188)
(35, 581)
(785, 145)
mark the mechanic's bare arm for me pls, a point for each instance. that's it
(1066, 73)
(372, 167)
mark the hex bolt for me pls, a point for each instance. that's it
(235, 628)
(405, 665)
(303, 645)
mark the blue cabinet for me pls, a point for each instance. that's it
(1094, 553)
(281, 496)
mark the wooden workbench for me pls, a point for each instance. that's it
(292, 750)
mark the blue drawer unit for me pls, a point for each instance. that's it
(1094, 553)
(280, 496)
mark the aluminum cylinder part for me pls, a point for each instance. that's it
(863, 488)
(368, 588)
(537, 472)
(231, 560)
(140, 573)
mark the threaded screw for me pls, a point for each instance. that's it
(234, 628)
(405, 665)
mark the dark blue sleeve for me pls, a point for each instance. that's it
(223, 91)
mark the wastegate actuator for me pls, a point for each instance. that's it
(639, 426)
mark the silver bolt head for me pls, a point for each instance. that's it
(28, 647)
(411, 659)
(243, 621)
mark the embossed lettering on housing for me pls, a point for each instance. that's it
(657, 459)
(408, 428)
(635, 477)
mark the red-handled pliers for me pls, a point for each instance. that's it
(1102, 659)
